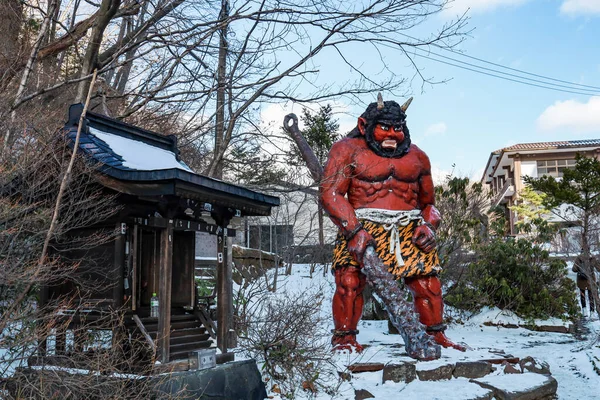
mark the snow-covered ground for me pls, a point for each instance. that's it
(571, 360)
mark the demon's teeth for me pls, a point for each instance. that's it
(388, 144)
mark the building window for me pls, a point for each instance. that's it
(554, 167)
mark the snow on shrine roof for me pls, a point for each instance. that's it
(131, 154)
(135, 154)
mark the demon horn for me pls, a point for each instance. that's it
(380, 104)
(405, 105)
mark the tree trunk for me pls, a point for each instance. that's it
(108, 9)
(216, 168)
(28, 69)
(11, 20)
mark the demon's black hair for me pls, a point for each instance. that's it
(390, 114)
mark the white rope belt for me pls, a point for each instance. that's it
(391, 220)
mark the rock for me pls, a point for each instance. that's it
(512, 360)
(472, 369)
(360, 394)
(548, 328)
(442, 390)
(234, 380)
(502, 325)
(531, 365)
(510, 368)
(436, 374)
(527, 386)
(403, 372)
(488, 396)
(365, 367)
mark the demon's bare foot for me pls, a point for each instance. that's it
(345, 340)
(441, 339)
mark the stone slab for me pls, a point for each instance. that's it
(362, 394)
(532, 365)
(235, 380)
(365, 367)
(400, 372)
(472, 369)
(449, 389)
(526, 386)
(436, 374)
(511, 360)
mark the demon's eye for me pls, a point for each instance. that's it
(398, 128)
(384, 127)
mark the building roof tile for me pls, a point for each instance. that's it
(551, 145)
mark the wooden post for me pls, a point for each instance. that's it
(42, 331)
(134, 268)
(119, 267)
(61, 340)
(164, 291)
(231, 336)
(224, 288)
(78, 339)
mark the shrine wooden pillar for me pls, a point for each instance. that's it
(119, 261)
(224, 282)
(42, 328)
(164, 291)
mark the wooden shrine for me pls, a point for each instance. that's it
(162, 204)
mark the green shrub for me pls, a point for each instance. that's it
(204, 286)
(519, 276)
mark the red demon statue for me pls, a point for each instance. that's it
(377, 188)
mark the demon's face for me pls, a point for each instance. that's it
(385, 129)
(389, 135)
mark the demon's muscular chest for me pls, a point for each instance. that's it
(380, 182)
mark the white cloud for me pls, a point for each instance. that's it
(572, 116)
(580, 7)
(438, 174)
(479, 6)
(436, 129)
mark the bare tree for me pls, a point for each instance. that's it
(285, 332)
(275, 46)
(204, 70)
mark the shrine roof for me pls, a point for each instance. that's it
(148, 163)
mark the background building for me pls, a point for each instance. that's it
(506, 168)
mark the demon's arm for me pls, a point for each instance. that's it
(424, 236)
(334, 186)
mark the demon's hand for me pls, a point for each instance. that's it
(424, 238)
(358, 243)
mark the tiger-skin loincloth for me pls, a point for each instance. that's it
(415, 262)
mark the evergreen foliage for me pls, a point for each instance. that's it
(579, 186)
(519, 276)
(320, 131)
(251, 165)
(485, 268)
(579, 190)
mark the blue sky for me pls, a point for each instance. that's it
(462, 121)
